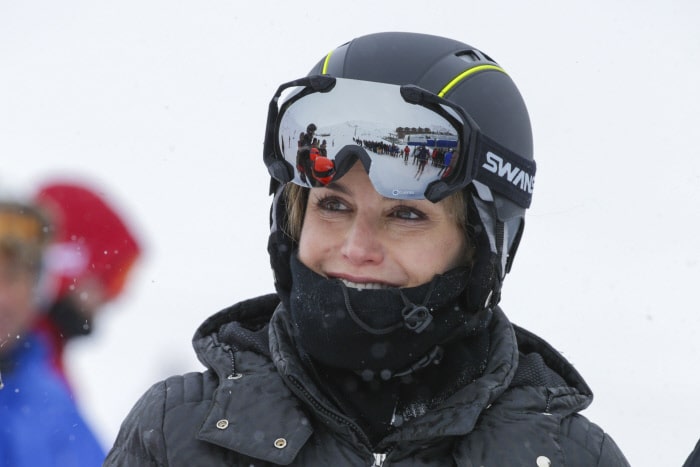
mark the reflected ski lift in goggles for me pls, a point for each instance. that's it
(412, 143)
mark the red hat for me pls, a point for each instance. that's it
(90, 239)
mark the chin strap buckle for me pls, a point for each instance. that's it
(416, 317)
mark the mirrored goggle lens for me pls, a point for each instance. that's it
(404, 147)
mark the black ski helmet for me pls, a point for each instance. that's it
(464, 76)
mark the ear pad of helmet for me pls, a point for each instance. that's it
(280, 245)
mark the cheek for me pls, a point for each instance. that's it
(313, 245)
(433, 256)
(306, 238)
(19, 308)
(305, 250)
(21, 295)
(458, 253)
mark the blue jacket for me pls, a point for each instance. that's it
(40, 425)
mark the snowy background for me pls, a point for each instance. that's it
(161, 104)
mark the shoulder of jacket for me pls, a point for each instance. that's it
(579, 433)
(187, 388)
(142, 436)
(537, 438)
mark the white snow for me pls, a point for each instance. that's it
(163, 104)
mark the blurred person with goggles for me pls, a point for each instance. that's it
(41, 424)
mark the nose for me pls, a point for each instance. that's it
(362, 243)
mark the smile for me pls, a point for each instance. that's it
(364, 285)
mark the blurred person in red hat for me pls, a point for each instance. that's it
(40, 424)
(88, 262)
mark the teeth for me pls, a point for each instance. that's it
(365, 285)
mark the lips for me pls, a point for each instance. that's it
(364, 285)
(361, 282)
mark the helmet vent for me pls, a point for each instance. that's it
(468, 56)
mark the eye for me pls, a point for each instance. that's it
(331, 203)
(407, 213)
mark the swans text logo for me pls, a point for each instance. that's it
(515, 175)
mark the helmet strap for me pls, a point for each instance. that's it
(489, 236)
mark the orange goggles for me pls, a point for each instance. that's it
(23, 224)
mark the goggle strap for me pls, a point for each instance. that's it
(504, 171)
(277, 168)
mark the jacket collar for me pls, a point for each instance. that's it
(277, 377)
(457, 415)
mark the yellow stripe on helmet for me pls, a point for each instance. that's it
(465, 74)
(325, 63)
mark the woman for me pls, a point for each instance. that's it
(384, 344)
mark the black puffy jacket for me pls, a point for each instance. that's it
(256, 406)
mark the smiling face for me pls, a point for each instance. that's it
(353, 233)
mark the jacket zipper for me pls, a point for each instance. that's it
(320, 408)
(379, 459)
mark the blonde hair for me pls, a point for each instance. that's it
(296, 197)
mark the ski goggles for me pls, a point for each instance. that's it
(22, 224)
(23, 234)
(412, 143)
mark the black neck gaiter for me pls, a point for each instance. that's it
(70, 320)
(377, 333)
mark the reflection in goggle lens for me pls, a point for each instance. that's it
(412, 143)
(403, 146)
